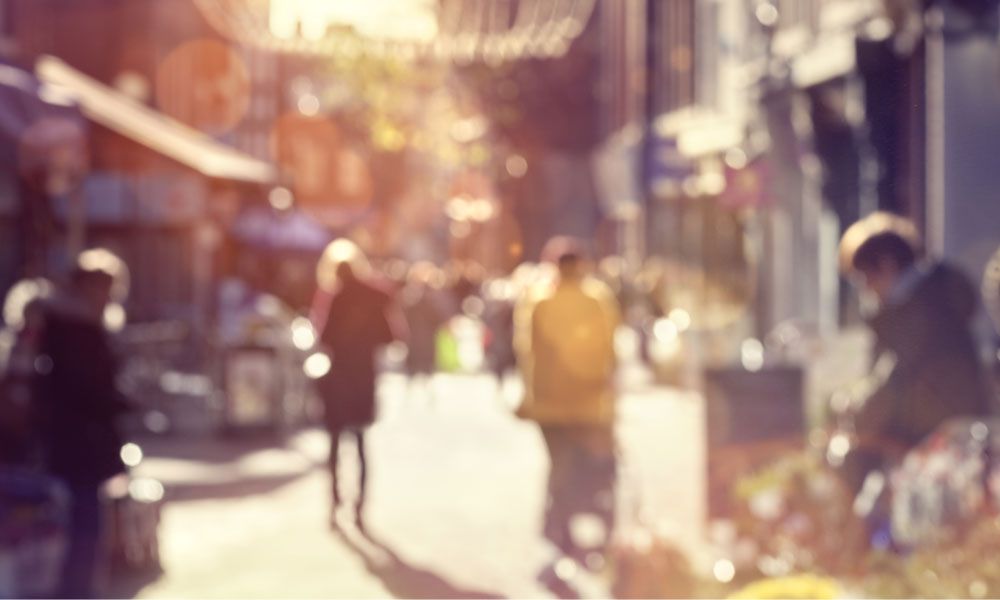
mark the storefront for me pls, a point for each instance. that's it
(43, 155)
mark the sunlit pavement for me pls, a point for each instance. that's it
(455, 501)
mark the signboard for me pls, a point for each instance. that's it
(169, 199)
(752, 419)
(666, 166)
(252, 378)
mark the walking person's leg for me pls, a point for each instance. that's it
(603, 457)
(359, 436)
(83, 554)
(332, 463)
(560, 493)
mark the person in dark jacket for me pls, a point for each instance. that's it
(929, 368)
(79, 405)
(426, 308)
(361, 317)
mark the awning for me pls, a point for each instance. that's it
(152, 129)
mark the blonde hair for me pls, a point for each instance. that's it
(878, 233)
(21, 296)
(102, 259)
(338, 252)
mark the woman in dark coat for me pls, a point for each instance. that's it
(361, 318)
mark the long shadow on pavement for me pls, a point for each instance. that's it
(403, 580)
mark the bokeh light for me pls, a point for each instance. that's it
(405, 29)
(303, 334)
(205, 84)
(681, 318)
(317, 365)
(724, 571)
(517, 166)
(114, 317)
(752, 355)
(281, 198)
(146, 490)
(309, 105)
(131, 454)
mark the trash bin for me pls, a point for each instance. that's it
(134, 505)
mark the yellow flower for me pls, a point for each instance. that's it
(793, 587)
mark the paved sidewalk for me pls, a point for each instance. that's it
(208, 464)
(200, 466)
(456, 498)
(262, 545)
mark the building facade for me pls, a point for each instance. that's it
(163, 179)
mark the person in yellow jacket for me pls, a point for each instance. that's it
(564, 339)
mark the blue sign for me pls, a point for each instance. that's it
(666, 167)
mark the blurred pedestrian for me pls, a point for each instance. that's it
(564, 340)
(426, 310)
(499, 319)
(360, 318)
(928, 369)
(20, 344)
(79, 405)
(465, 280)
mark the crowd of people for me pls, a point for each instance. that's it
(561, 326)
(554, 322)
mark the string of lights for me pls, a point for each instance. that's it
(492, 31)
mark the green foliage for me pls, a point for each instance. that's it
(403, 104)
(960, 563)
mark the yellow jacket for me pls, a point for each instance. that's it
(564, 338)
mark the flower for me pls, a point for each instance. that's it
(794, 586)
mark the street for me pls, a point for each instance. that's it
(740, 252)
(454, 509)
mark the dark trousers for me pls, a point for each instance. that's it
(581, 480)
(359, 438)
(85, 549)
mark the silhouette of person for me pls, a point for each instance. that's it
(565, 346)
(79, 404)
(360, 318)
